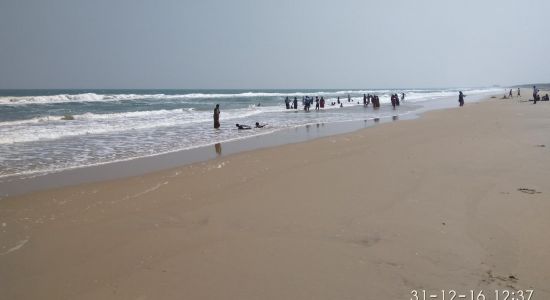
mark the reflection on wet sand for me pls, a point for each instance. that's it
(218, 148)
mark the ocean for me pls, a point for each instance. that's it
(118, 125)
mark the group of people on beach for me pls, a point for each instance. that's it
(239, 126)
(307, 101)
(395, 100)
(291, 105)
(510, 94)
(537, 97)
(368, 99)
(246, 127)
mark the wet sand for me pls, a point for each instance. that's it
(458, 199)
(143, 165)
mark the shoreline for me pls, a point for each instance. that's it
(22, 184)
(451, 200)
(15, 185)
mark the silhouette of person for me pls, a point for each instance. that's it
(316, 103)
(217, 116)
(243, 127)
(461, 98)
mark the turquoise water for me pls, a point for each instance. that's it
(115, 125)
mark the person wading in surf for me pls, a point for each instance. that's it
(217, 116)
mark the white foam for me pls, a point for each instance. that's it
(52, 127)
(64, 98)
(17, 246)
(92, 97)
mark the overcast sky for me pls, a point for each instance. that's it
(273, 44)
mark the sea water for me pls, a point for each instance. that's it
(117, 125)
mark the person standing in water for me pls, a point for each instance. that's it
(295, 103)
(316, 102)
(217, 116)
(287, 103)
(510, 94)
(461, 98)
(402, 97)
(518, 93)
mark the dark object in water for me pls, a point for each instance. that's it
(68, 117)
(243, 127)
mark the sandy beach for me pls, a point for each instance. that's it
(458, 199)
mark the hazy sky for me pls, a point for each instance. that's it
(272, 44)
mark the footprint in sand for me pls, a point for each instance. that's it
(368, 241)
(509, 281)
(528, 191)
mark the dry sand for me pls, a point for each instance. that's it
(433, 203)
